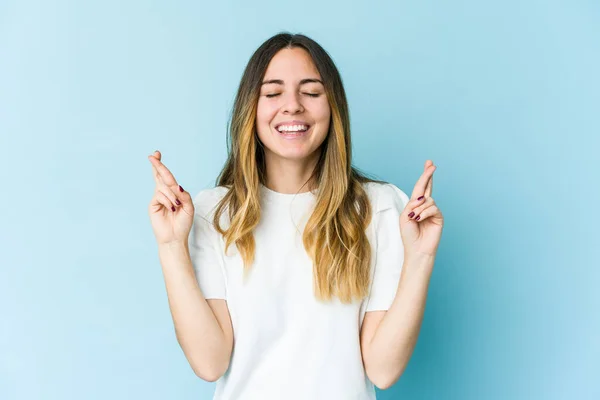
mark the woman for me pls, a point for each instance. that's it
(284, 280)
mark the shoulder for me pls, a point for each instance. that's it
(206, 200)
(384, 196)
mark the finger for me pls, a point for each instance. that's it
(186, 199)
(426, 213)
(421, 185)
(180, 198)
(173, 200)
(158, 202)
(158, 156)
(165, 175)
(429, 187)
(156, 176)
(154, 170)
(417, 206)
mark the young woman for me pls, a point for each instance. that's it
(284, 281)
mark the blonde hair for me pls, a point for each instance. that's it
(335, 234)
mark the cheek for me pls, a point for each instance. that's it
(321, 111)
(324, 117)
(264, 113)
(264, 117)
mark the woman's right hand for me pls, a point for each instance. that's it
(171, 209)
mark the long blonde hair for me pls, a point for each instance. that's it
(335, 234)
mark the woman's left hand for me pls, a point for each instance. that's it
(421, 222)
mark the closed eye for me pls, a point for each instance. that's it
(308, 94)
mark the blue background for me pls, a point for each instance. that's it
(503, 96)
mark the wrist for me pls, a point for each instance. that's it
(421, 260)
(173, 245)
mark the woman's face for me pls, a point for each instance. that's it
(292, 98)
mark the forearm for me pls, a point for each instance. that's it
(396, 336)
(196, 327)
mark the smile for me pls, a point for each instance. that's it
(295, 132)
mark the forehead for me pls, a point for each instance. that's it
(292, 65)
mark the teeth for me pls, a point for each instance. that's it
(292, 128)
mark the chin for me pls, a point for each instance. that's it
(291, 155)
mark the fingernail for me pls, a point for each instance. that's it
(411, 214)
(418, 218)
(421, 198)
(180, 188)
(173, 208)
(177, 202)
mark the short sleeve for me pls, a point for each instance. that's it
(389, 251)
(205, 250)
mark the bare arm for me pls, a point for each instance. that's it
(203, 327)
(388, 338)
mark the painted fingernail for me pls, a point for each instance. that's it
(173, 208)
(177, 202)
(412, 213)
(418, 218)
(421, 198)
(180, 188)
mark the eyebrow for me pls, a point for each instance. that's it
(302, 82)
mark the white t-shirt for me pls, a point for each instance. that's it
(287, 345)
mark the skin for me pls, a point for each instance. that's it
(290, 162)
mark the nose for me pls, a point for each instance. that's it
(292, 104)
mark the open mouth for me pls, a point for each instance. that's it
(293, 131)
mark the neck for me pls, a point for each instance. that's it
(290, 176)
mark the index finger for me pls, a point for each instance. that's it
(155, 173)
(429, 187)
(166, 175)
(423, 183)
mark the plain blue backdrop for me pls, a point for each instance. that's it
(503, 96)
